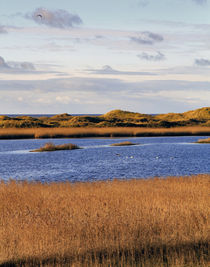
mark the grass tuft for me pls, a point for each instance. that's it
(126, 143)
(52, 147)
(203, 141)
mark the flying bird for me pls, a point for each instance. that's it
(39, 15)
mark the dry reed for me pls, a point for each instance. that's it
(14, 133)
(52, 147)
(204, 141)
(126, 143)
(154, 222)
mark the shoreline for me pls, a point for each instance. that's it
(108, 132)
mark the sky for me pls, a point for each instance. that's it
(90, 57)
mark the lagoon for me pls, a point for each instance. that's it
(152, 157)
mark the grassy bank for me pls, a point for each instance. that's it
(14, 133)
(155, 222)
(203, 141)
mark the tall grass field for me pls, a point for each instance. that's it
(80, 132)
(153, 222)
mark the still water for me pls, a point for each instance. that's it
(154, 156)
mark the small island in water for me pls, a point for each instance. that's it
(52, 147)
(204, 141)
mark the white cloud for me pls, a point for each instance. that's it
(58, 18)
(152, 57)
(202, 62)
(108, 70)
(15, 67)
(3, 29)
(146, 2)
(200, 2)
(147, 38)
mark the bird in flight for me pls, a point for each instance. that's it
(39, 15)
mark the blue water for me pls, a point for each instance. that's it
(154, 156)
(45, 115)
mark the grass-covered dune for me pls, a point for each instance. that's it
(114, 118)
(154, 222)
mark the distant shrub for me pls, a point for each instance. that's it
(203, 141)
(52, 147)
(126, 143)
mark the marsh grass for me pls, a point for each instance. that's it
(126, 143)
(154, 222)
(14, 133)
(52, 147)
(203, 141)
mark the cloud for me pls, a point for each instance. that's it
(147, 38)
(91, 95)
(21, 65)
(3, 64)
(158, 57)
(15, 67)
(143, 3)
(146, 2)
(2, 29)
(58, 18)
(200, 2)
(202, 62)
(107, 70)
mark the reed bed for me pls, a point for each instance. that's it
(52, 147)
(204, 141)
(80, 132)
(126, 143)
(154, 222)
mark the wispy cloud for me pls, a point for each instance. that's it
(149, 57)
(24, 67)
(200, 2)
(143, 3)
(89, 95)
(107, 70)
(3, 29)
(13, 66)
(202, 62)
(147, 38)
(58, 18)
(146, 2)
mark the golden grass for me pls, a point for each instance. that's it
(154, 222)
(13, 133)
(52, 147)
(204, 141)
(126, 143)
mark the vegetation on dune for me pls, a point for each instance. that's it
(195, 117)
(203, 141)
(126, 143)
(53, 147)
(114, 118)
(154, 222)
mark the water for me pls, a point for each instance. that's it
(155, 156)
(45, 115)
